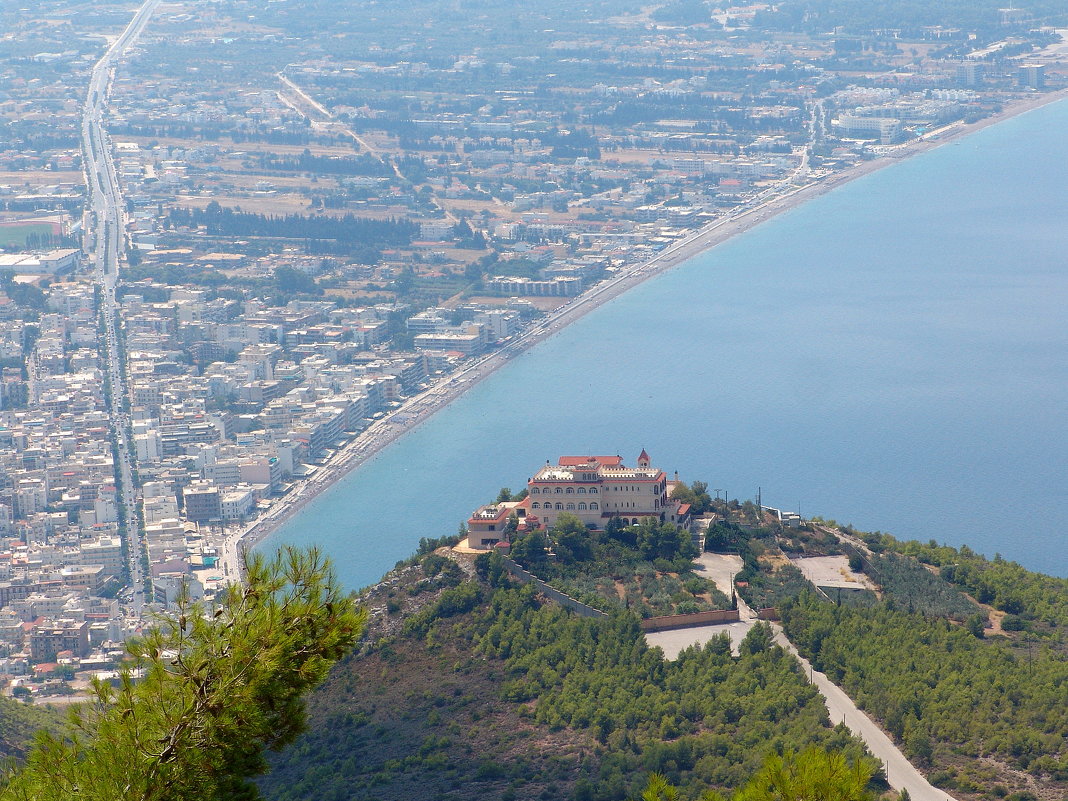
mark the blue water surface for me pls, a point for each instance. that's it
(893, 354)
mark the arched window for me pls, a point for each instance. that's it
(534, 491)
(635, 521)
(581, 491)
(593, 490)
(559, 505)
(571, 507)
(559, 490)
(593, 505)
(570, 490)
(582, 507)
(535, 505)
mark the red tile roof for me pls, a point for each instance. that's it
(580, 461)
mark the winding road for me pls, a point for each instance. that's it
(900, 773)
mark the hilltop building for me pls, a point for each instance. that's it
(593, 488)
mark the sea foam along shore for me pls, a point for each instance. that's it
(419, 408)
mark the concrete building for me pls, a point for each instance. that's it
(887, 129)
(593, 488)
(970, 73)
(1032, 76)
(168, 588)
(596, 488)
(469, 344)
(52, 261)
(203, 502)
(105, 552)
(237, 503)
(65, 635)
(526, 287)
(501, 323)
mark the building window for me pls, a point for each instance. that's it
(593, 505)
(559, 490)
(581, 491)
(593, 490)
(535, 505)
(571, 507)
(582, 507)
(570, 490)
(559, 505)
(534, 491)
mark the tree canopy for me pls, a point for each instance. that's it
(815, 774)
(204, 694)
(941, 691)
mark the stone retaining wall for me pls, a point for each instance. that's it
(711, 618)
(581, 609)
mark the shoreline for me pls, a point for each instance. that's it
(420, 408)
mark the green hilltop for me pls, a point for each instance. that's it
(469, 681)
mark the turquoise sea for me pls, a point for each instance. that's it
(893, 354)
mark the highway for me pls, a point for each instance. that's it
(106, 233)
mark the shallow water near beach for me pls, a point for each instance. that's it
(893, 354)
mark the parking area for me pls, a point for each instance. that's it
(674, 642)
(832, 571)
(721, 568)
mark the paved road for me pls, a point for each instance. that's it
(674, 642)
(108, 231)
(721, 569)
(899, 771)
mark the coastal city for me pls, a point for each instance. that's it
(237, 258)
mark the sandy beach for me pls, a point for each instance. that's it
(418, 409)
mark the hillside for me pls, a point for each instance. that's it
(482, 689)
(470, 684)
(18, 722)
(469, 681)
(963, 660)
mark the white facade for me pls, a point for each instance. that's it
(597, 488)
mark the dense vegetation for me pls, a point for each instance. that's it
(18, 722)
(812, 775)
(911, 584)
(973, 710)
(647, 568)
(215, 689)
(323, 234)
(905, 15)
(771, 585)
(490, 692)
(363, 164)
(1005, 585)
